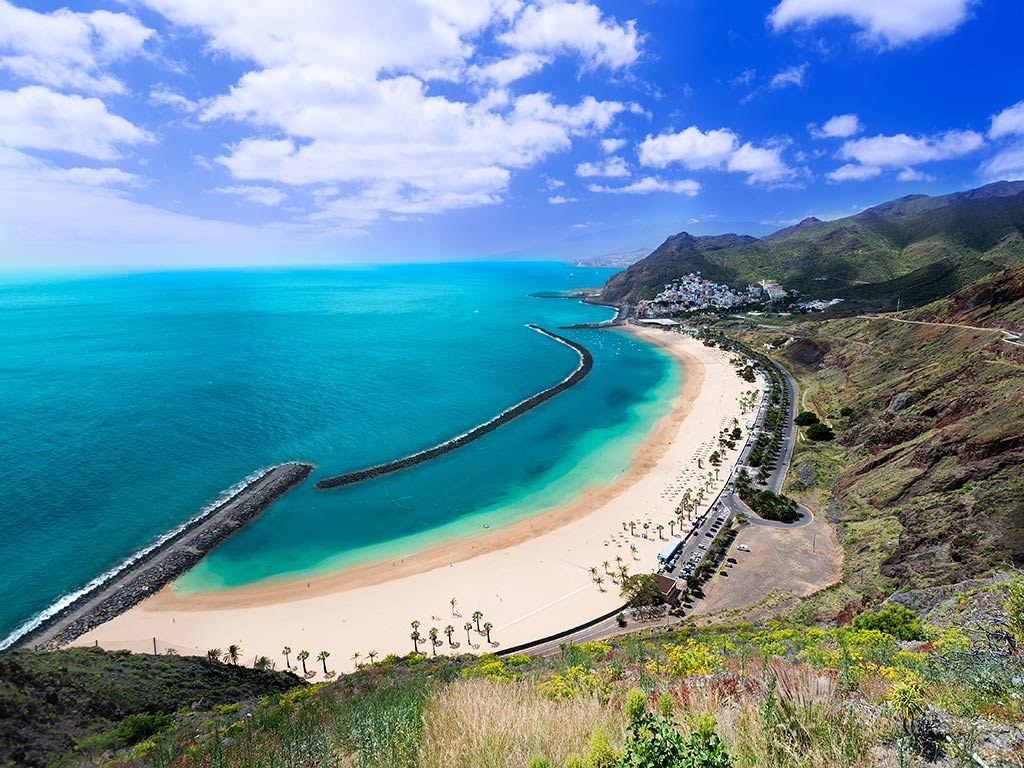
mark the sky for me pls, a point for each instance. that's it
(189, 133)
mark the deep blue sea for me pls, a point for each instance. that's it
(130, 402)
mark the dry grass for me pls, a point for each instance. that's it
(480, 723)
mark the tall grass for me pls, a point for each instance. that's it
(481, 723)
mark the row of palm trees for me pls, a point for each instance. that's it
(234, 654)
(301, 656)
(434, 633)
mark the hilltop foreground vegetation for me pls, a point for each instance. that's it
(793, 691)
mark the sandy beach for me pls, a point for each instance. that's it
(530, 578)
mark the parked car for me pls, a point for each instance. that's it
(702, 546)
(743, 548)
(709, 535)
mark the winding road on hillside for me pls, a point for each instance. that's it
(1010, 337)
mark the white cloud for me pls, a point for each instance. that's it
(716, 149)
(912, 174)
(837, 127)
(853, 172)
(34, 117)
(692, 147)
(613, 167)
(1009, 122)
(165, 97)
(559, 200)
(67, 49)
(902, 150)
(340, 95)
(886, 22)
(763, 165)
(649, 184)
(551, 183)
(744, 78)
(1007, 164)
(268, 196)
(790, 76)
(362, 37)
(505, 71)
(557, 26)
(612, 145)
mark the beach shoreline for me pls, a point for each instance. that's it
(159, 563)
(546, 559)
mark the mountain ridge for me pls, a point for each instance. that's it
(917, 248)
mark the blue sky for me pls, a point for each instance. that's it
(191, 133)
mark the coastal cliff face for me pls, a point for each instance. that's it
(924, 478)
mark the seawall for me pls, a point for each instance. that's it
(582, 369)
(165, 560)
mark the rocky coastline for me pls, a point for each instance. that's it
(167, 560)
(584, 367)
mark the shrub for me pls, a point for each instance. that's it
(806, 418)
(820, 432)
(599, 751)
(846, 411)
(892, 619)
(539, 761)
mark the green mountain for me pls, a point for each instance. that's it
(917, 248)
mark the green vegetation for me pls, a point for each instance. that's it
(892, 619)
(806, 418)
(789, 692)
(819, 431)
(915, 248)
(98, 700)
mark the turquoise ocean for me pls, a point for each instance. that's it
(130, 402)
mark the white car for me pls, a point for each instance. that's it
(742, 547)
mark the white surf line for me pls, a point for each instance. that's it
(71, 597)
(552, 604)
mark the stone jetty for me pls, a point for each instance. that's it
(582, 369)
(165, 561)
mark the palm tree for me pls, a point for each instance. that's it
(593, 571)
(618, 559)
(286, 651)
(214, 654)
(415, 637)
(605, 565)
(625, 526)
(646, 526)
(599, 581)
(234, 653)
(448, 631)
(477, 615)
(371, 655)
(467, 626)
(624, 572)
(302, 656)
(671, 527)
(632, 527)
(322, 658)
(432, 634)
(262, 662)
(416, 624)
(454, 602)
(487, 629)
(355, 659)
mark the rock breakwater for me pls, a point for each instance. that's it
(586, 362)
(163, 561)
